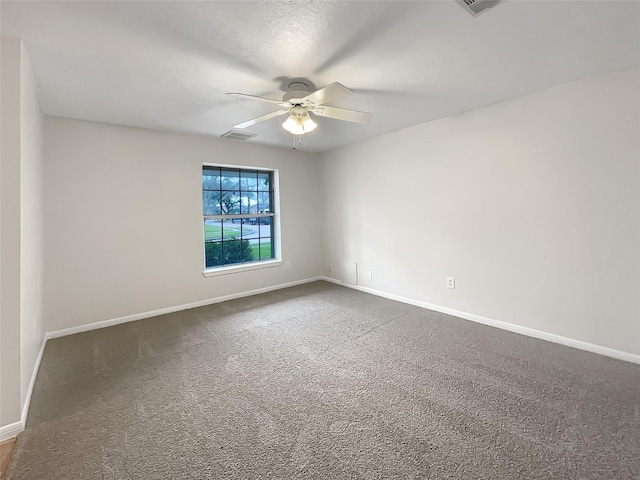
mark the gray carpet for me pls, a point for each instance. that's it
(324, 382)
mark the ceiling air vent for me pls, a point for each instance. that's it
(236, 135)
(476, 7)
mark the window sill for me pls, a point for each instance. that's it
(214, 272)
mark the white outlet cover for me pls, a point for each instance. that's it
(451, 282)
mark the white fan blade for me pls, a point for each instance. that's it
(261, 99)
(341, 114)
(325, 95)
(248, 123)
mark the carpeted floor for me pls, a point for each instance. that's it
(324, 382)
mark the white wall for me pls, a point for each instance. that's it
(21, 257)
(10, 233)
(533, 205)
(123, 220)
(31, 219)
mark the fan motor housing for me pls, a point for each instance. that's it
(297, 90)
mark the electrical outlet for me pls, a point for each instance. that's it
(330, 268)
(287, 265)
(451, 282)
(369, 275)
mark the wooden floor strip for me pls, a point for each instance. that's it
(6, 448)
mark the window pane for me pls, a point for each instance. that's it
(210, 178)
(233, 252)
(248, 180)
(230, 179)
(210, 203)
(230, 202)
(231, 228)
(213, 254)
(266, 248)
(250, 228)
(264, 181)
(212, 230)
(251, 238)
(248, 202)
(261, 249)
(264, 202)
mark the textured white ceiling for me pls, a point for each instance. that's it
(167, 65)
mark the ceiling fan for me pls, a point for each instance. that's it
(298, 102)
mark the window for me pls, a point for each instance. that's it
(239, 216)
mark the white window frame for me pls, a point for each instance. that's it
(275, 218)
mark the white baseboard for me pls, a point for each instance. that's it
(34, 374)
(551, 337)
(11, 430)
(163, 311)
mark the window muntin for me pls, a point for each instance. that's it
(238, 216)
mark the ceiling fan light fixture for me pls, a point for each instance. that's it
(298, 103)
(299, 125)
(293, 126)
(308, 124)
